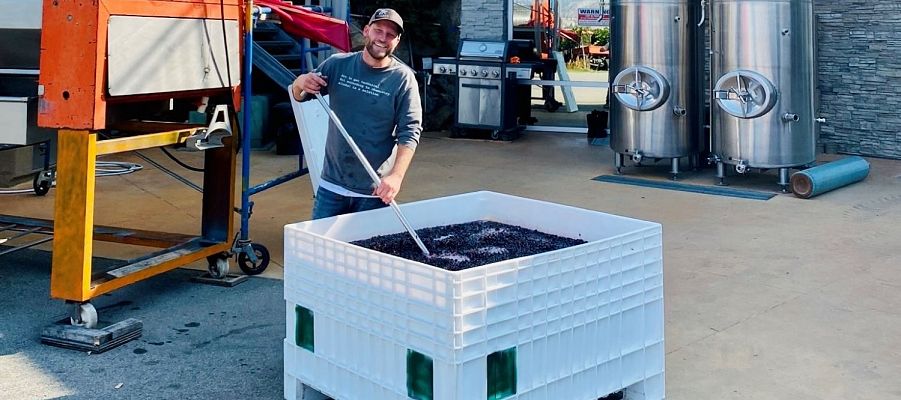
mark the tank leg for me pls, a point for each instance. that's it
(721, 173)
(783, 179)
(675, 168)
(618, 163)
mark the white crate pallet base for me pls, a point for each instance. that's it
(576, 323)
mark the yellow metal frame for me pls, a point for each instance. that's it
(74, 232)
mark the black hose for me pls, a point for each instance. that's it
(228, 69)
(179, 162)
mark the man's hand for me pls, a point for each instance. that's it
(389, 187)
(310, 82)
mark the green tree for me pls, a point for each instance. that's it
(600, 36)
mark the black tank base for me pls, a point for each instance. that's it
(505, 135)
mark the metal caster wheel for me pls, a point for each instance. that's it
(42, 182)
(552, 105)
(85, 315)
(257, 266)
(218, 266)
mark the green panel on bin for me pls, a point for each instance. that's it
(419, 376)
(303, 329)
(502, 374)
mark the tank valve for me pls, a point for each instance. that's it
(713, 159)
(679, 111)
(741, 167)
(790, 117)
(821, 120)
(636, 158)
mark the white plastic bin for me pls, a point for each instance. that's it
(576, 323)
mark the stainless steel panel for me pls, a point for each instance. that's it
(18, 121)
(13, 120)
(20, 34)
(655, 109)
(445, 68)
(480, 71)
(763, 41)
(161, 55)
(519, 72)
(21, 14)
(479, 102)
(490, 103)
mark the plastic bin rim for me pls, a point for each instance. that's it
(473, 269)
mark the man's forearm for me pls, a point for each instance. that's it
(391, 183)
(402, 161)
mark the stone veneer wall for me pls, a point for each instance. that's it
(859, 64)
(483, 19)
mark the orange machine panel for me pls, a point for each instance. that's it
(73, 52)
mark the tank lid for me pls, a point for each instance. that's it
(745, 94)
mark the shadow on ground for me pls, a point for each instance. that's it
(199, 341)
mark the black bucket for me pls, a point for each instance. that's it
(597, 124)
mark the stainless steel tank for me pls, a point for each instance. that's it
(762, 71)
(656, 80)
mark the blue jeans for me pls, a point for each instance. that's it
(330, 204)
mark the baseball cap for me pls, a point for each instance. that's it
(390, 15)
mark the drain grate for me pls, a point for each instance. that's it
(685, 187)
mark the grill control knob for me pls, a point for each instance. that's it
(496, 74)
(484, 73)
(462, 72)
(442, 69)
(474, 72)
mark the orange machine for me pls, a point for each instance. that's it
(74, 53)
(107, 68)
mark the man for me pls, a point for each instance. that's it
(376, 97)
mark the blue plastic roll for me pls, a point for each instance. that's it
(823, 178)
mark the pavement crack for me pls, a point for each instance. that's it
(232, 332)
(737, 323)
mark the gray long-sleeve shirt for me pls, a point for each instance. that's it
(379, 107)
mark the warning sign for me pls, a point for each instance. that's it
(593, 17)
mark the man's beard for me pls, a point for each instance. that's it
(376, 52)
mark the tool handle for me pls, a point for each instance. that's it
(350, 140)
(409, 228)
(370, 171)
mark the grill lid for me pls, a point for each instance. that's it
(485, 50)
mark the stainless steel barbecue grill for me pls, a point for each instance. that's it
(486, 85)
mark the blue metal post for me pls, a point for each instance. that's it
(245, 133)
(303, 58)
